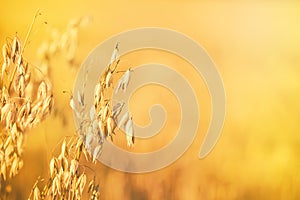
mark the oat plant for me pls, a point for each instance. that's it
(67, 175)
(24, 103)
(103, 118)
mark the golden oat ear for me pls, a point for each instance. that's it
(115, 54)
(96, 153)
(16, 49)
(129, 132)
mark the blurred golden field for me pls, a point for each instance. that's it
(256, 47)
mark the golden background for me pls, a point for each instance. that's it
(256, 47)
